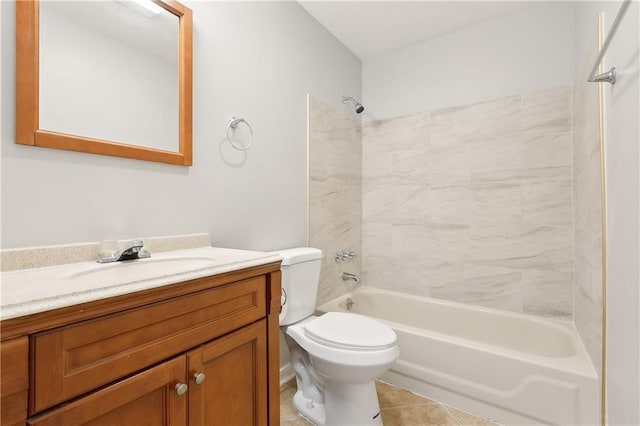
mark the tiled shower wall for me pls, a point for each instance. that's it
(474, 204)
(588, 289)
(335, 194)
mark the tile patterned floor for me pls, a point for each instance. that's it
(398, 406)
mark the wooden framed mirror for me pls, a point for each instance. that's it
(131, 97)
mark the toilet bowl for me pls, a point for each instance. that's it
(336, 356)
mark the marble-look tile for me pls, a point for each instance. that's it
(408, 241)
(335, 193)
(588, 320)
(395, 203)
(410, 166)
(548, 111)
(588, 296)
(527, 247)
(521, 150)
(496, 203)
(385, 272)
(521, 176)
(394, 151)
(587, 199)
(471, 199)
(481, 121)
(586, 141)
(331, 284)
(319, 127)
(448, 150)
(449, 242)
(344, 156)
(548, 293)
(448, 178)
(450, 204)
(400, 263)
(406, 132)
(493, 291)
(588, 291)
(588, 269)
(376, 161)
(548, 202)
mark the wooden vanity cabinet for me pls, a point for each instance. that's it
(14, 381)
(203, 352)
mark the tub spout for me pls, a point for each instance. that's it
(346, 276)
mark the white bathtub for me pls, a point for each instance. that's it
(512, 368)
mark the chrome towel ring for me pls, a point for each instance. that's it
(233, 124)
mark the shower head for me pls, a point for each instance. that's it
(358, 105)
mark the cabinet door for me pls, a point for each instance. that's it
(234, 390)
(147, 398)
(14, 381)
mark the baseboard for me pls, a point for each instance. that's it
(286, 373)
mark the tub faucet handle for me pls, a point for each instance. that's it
(344, 255)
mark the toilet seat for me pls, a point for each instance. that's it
(341, 363)
(349, 331)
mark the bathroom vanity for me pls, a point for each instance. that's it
(167, 349)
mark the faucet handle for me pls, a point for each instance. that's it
(344, 255)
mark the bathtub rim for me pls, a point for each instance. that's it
(578, 363)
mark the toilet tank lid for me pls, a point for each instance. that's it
(300, 254)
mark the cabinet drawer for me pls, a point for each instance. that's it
(14, 381)
(147, 398)
(72, 360)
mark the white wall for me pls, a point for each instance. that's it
(622, 164)
(257, 60)
(528, 50)
(622, 178)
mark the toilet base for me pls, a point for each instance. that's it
(313, 411)
(345, 405)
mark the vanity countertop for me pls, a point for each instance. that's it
(31, 291)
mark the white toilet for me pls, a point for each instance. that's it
(336, 356)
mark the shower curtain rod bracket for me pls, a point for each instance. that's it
(609, 77)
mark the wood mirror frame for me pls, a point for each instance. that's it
(28, 131)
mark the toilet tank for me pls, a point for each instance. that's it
(300, 276)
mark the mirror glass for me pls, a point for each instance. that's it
(109, 70)
(107, 77)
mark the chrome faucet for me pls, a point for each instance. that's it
(132, 250)
(346, 276)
